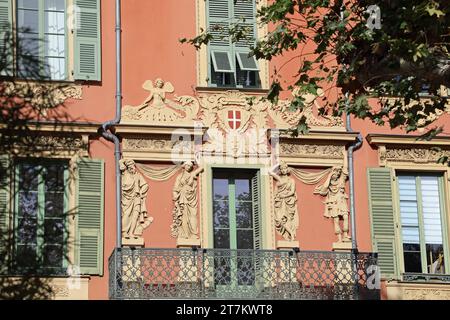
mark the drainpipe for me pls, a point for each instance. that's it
(106, 127)
(351, 179)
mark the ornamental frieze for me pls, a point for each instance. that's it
(415, 155)
(227, 111)
(46, 95)
(426, 294)
(312, 150)
(155, 143)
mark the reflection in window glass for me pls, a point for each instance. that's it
(40, 216)
(420, 210)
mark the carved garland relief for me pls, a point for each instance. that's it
(415, 155)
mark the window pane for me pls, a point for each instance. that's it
(435, 258)
(431, 210)
(28, 4)
(53, 231)
(28, 177)
(26, 256)
(28, 21)
(55, 45)
(221, 216)
(28, 44)
(220, 189)
(54, 5)
(28, 204)
(244, 215)
(222, 238)
(243, 190)
(407, 185)
(54, 177)
(409, 214)
(245, 239)
(413, 262)
(27, 230)
(53, 256)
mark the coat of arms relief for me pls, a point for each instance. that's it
(237, 122)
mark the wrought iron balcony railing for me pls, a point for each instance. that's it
(240, 274)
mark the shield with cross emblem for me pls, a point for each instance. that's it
(234, 119)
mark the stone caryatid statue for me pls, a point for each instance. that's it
(336, 199)
(184, 224)
(285, 202)
(134, 211)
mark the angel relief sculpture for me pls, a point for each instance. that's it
(157, 108)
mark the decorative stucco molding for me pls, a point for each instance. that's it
(158, 109)
(312, 150)
(418, 155)
(44, 94)
(426, 294)
(283, 118)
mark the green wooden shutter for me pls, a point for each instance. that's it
(381, 205)
(256, 212)
(87, 41)
(90, 190)
(244, 14)
(220, 48)
(4, 211)
(6, 63)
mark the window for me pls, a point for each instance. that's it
(40, 216)
(230, 64)
(41, 38)
(52, 40)
(422, 223)
(236, 225)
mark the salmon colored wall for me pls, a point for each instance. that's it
(159, 206)
(151, 30)
(150, 49)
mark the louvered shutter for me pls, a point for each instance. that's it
(4, 211)
(90, 190)
(87, 40)
(256, 212)
(220, 48)
(244, 15)
(6, 63)
(382, 220)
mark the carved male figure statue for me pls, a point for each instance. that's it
(286, 215)
(185, 203)
(336, 199)
(134, 192)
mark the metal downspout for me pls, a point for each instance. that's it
(351, 179)
(351, 175)
(106, 127)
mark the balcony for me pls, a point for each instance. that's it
(240, 274)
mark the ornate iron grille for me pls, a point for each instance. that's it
(240, 274)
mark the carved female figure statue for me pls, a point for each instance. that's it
(185, 203)
(336, 199)
(134, 193)
(286, 215)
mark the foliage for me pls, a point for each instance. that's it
(403, 66)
